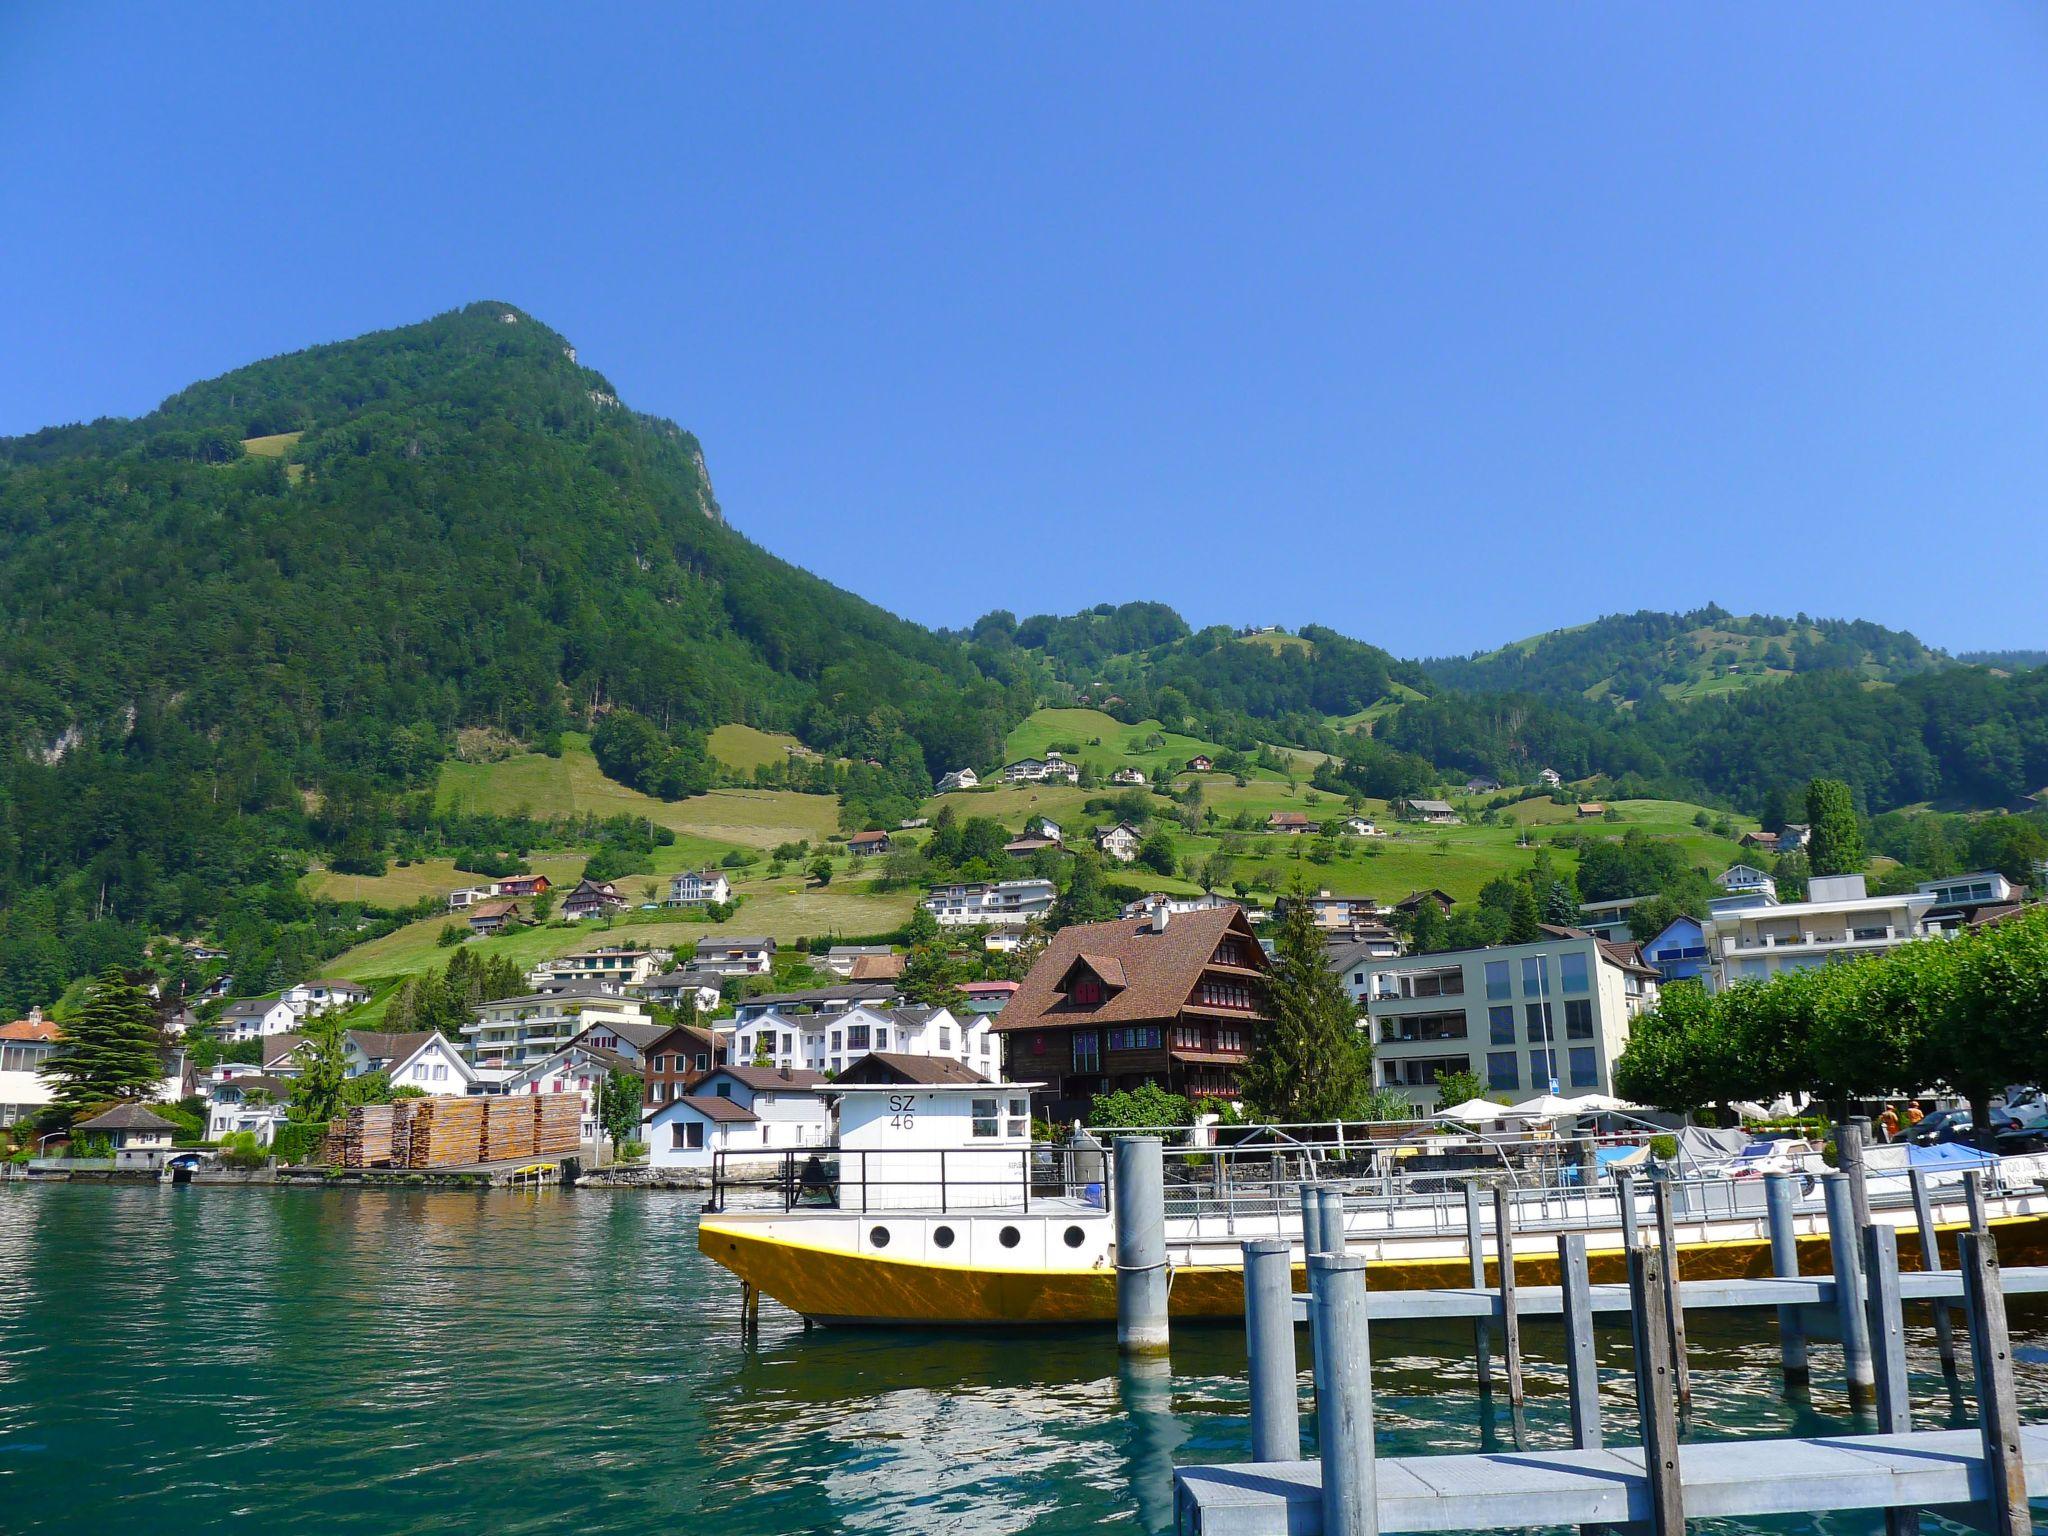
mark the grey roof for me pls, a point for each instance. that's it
(771, 1079)
(565, 994)
(126, 1117)
(893, 1067)
(277, 1047)
(641, 1034)
(736, 941)
(859, 949)
(688, 976)
(279, 1088)
(381, 1045)
(849, 992)
(252, 1008)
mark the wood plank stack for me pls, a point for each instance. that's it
(445, 1132)
(366, 1137)
(328, 1154)
(509, 1128)
(402, 1111)
(558, 1124)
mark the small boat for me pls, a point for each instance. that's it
(1010, 1235)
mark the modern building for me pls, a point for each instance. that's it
(1839, 920)
(1747, 879)
(615, 969)
(309, 998)
(959, 778)
(814, 1000)
(696, 887)
(1527, 1019)
(256, 1019)
(1679, 952)
(1005, 903)
(736, 956)
(830, 1042)
(1609, 919)
(513, 1031)
(1959, 899)
(1042, 770)
(1169, 999)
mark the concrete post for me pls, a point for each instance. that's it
(1269, 1344)
(1779, 1195)
(1344, 1369)
(1141, 1277)
(1330, 1218)
(1311, 1221)
(1475, 1252)
(1855, 1321)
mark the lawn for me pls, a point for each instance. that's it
(571, 785)
(1106, 743)
(745, 748)
(275, 446)
(398, 887)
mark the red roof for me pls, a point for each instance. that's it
(1150, 972)
(41, 1031)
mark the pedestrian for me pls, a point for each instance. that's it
(1914, 1114)
(1890, 1121)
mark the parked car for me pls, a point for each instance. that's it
(1943, 1125)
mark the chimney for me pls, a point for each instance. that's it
(785, 1074)
(1162, 910)
(35, 1014)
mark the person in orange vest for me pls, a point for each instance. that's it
(1890, 1121)
(1914, 1114)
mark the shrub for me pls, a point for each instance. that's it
(238, 1149)
(632, 1151)
(1664, 1148)
(297, 1141)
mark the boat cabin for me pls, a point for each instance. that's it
(970, 1140)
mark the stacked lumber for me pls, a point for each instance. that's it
(366, 1137)
(558, 1124)
(508, 1129)
(446, 1132)
(328, 1153)
(402, 1111)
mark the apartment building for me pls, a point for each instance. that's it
(1839, 920)
(516, 1031)
(1527, 1019)
(1006, 903)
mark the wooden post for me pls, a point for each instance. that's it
(1973, 1192)
(1510, 1323)
(1351, 1505)
(1779, 1195)
(1674, 1303)
(1991, 1351)
(1581, 1367)
(1930, 1260)
(1625, 1198)
(1656, 1392)
(1851, 1137)
(1475, 1249)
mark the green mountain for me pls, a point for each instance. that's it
(1627, 657)
(254, 620)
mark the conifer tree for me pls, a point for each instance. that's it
(1311, 1061)
(112, 1049)
(1835, 846)
(1428, 930)
(1524, 918)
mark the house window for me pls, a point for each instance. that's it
(945, 1038)
(835, 1039)
(1500, 1070)
(1146, 1038)
(1497, 979)
(1538, 1016)
(724, 1090)
(1578, 1019)
(1585, 1072)
(1571, 970)
(1187, 1037)
(986, 1122)
(1225, 994)
(1542, 1068)
(1087, 992)
(881, 1038)
(1229, 1039)
(1087, 1051)
(1500, 1024)
(1535, 975)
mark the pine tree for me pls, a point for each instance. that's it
(112, 1049)
(1084, 900)
(1836, 844)
(1428, 930)
(1310, 1062)
(1523, 920)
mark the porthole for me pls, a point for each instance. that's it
(1076, 1237)
(878, 1236)
(942, 1237)
(1009, 1237)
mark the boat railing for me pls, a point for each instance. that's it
(945, 1180)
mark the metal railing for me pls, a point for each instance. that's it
(944, 1180)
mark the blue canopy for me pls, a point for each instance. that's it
(1951, 1155)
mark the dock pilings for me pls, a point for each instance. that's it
(1141, 1273)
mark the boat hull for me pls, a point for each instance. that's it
(828, 1285)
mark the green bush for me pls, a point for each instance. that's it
(297, 1141)
(90, 1147)
(632, 1151)
(239, 1149)
(1664, 1148)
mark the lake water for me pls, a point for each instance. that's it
(183, 1360)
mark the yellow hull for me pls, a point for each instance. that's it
(832, 1286)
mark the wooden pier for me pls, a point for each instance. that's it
(1983, 1476)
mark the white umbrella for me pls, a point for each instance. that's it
(1473, 1111)
(1548, 1107)
(1601, 1104)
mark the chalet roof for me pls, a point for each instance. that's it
(641, 1033)
(1108, 967)
(278, 1048)
(1287, 819)
(772, 1079)
(883, 967)
(685, 1034)
(1432, 806)
(894, 1067)
(493, 909)
(37, 1031)
(126, 1117)
(712, 1107)
(868, 837)
(1629, 957)
(1160, 967)
(1415, 899)
(379, 1045)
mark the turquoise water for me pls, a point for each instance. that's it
(208, 1360)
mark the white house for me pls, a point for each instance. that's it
(739, 1109)
(1361, 826)
(427, 1060)
(1042, 770)
(1010, 903)
(513, 1031)
(1745, 879)
(831, 1042)
(671, 987)
(616, 968)
(1550, 777)
(577, 1069)
(247, 1101)
(626, 1039)
(1128, 776)
(469, 896)
(959, 778)
(736, 956)
(840, 958)
(1119, 842)
(25, 1045)
(310, 998)
(255, 1019)
(1839, 920)
(1159, 904)
(697, 887)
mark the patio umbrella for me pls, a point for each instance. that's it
(1473, 1112)
(1601, 1104)
(1548, 1107)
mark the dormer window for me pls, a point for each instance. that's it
(1087, 991)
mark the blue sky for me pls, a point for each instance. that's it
(1438, 324)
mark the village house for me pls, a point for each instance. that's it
(25, 1046)
(1481, 784)
(250, 1102)
(1294, 823)
(676, 1059)
(840, 958)
(1678, 952)
(1042, 770)
(139, 1135)
(697, 887)
(828, 1042)
(1741, 879)
(1119, 842)
(527, 886)
(1591, 809)
(1437, 813)
(1360, 826)
(736, 956)
(255, 1019)
(1609, 919)
(739, 1109)
(1550, 777)
(467, 897)
(1201, 763)
(577, 1069)
(1155, 905)
(513, 1031)
(628, 1039)
(592, 898)
(495, 916)
(310, 998)
(1005, 903)
(1406, 906)
(862, 844)
(1336, 914)
(1128, 776)
(813, 1000)
(671, 988)
(614, 968)
(1551, 1016)
(280, 1056)
(424, 1059)
(1173, 1000)
(988, 996)
(879, 968)
(1024, 847)
(959, 778)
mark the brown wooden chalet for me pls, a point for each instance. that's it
(1115, 1005)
